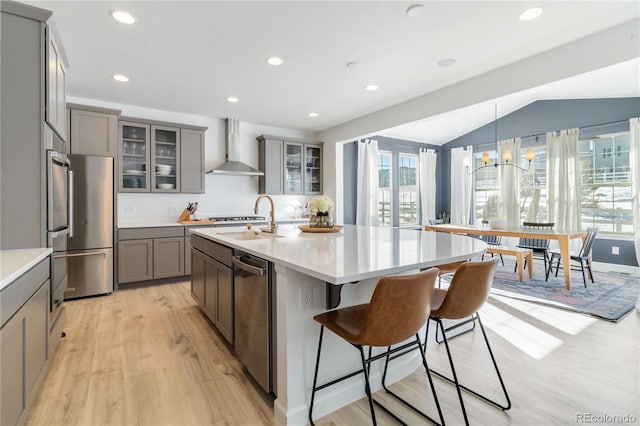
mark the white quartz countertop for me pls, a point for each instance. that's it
(14, 263)
(157, 223)
(355, 253)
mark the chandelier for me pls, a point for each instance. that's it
(507, 158)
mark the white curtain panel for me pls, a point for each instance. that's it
(563, 178)
(461, 185)
(634, 133)
(367, 196)
(509, 203)
(427, 159)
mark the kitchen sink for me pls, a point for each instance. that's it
(249, 235)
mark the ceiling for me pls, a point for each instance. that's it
(188, 57)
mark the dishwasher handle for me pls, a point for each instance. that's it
(246, 267)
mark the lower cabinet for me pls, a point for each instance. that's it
(23, 353)
(150, 253)
(212, 284)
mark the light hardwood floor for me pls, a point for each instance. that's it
(147, 356)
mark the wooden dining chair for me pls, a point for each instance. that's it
(583, 257)
(539, 246)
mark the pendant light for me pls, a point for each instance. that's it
(507, 158)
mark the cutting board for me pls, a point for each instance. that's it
(196, 222)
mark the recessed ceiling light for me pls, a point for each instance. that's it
(313, 114)
(531, 13)
(415, 10)
(123, 17)
(120, 77)
(371, 88)
(274, 60)
(232, 99)
(446, 62)
(352, 65)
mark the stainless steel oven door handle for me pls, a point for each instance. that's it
(93, 253)
(246, 267)
(70, 201)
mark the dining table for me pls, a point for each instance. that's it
(562, 236)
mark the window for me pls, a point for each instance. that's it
(408, 189)
(605, 169)
(398, 192)
(385, 192)
(606, 183)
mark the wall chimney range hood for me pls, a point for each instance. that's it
(231, 165)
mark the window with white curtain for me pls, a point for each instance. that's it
(398, 192)
(606, 183)
(385, 190)
(605, 169)
(408, 189)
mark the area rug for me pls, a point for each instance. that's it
(612, 296)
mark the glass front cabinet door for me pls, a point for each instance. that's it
(134, 156)
(165, 154)
(313, 169)
(293, 168)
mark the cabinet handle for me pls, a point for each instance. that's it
(249, 268)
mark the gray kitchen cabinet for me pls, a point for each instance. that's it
(187, 255)
(270, 163)
(160, 157)
(165, 159)
(23, 341)
(56, 74)
(168, 257)
(93, 131)
(134, 156)
(290, 167)
(135, 260)
(192, 161)
(198, 276)
(150, 253)
(215, 261)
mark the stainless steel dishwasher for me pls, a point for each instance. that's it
(254, 330)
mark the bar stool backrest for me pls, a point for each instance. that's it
(468, 291)
(399, 307)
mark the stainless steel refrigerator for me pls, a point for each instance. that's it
(90, 246)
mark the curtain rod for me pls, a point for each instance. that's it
(545, 133)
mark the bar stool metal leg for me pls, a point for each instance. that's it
(367, 389)
(315, 376)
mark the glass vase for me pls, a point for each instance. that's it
(321, 220)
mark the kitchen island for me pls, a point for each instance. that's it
(307, 266)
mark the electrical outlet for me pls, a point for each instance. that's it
(615, 250)
(173, 210)
(129, 209)
(306, 297)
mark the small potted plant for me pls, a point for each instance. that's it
(321, 212)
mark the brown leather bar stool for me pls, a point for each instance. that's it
(468, 291)
(398, 308)
(448, 268)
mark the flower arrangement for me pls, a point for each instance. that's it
(321, 206)
(320, 209)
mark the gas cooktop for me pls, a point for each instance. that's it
(245, 218)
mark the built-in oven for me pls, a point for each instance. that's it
(254, 317)
(59, 225)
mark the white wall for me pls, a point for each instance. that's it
(223, 194)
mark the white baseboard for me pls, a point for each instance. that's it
(613, 267)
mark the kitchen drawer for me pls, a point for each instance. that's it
(17, 293)
(143, 233)
(219, 252)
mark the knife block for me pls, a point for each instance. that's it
(184, 216)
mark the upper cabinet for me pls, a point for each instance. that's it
(93, 131)
(55, 90)
(160, 157)
(290, 167)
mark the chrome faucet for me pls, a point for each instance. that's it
(273, 227)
